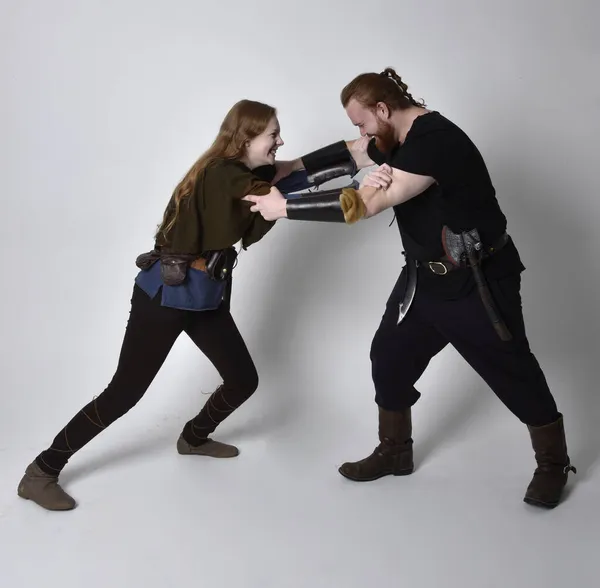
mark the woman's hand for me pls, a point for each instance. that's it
(271, 206)
(358, 150)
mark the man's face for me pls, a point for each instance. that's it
(373, 123)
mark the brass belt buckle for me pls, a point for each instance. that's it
(435, 264)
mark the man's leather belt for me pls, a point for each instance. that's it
(443, 266)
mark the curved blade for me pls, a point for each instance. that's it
(411, 288)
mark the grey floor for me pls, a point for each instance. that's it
(280, 515)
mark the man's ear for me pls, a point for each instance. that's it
(382, 110)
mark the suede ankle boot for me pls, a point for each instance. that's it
(43, 489)
(553, 465)
(393, 455)
(209, 448)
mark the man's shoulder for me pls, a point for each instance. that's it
(433, 122)
(437, 133)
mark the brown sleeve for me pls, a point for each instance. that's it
(226, 218)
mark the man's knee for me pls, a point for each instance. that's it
(393, 370)
(396, 399)
(380, 344)
(386, 353)
(251, 382)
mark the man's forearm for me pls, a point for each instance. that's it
(404, 186)
(376, 200)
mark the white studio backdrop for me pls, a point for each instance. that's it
(105, 105)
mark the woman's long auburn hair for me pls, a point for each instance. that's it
(245, 120)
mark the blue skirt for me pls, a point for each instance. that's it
(197, 292)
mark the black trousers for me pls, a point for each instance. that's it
(150, 334)
(401, 353)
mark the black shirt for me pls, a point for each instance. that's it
(462, 198)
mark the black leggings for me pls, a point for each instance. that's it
(151, 331)
(401, 353)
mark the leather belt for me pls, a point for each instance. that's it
(443, 266)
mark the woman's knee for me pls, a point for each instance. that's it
(244, 384)
(114, 402)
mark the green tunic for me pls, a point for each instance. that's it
(214, 216)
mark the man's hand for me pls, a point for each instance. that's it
(271, 207)
(380, 178)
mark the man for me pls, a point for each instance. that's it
(461, 282)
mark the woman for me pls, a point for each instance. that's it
(184, 284)
(176, 291)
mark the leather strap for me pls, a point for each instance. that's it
(325, 174)
(331, 155)
(323, 206)
(341, 205)
(443, 266)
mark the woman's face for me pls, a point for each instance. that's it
(262, 149)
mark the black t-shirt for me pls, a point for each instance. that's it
(462, 198)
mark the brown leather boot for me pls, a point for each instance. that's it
(393, 456)
(554, 465)
(44, 490)
(210, 448)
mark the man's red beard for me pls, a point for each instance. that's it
(385, 140)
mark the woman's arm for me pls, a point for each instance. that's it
(326, 163)
(340, 205)
(380, 190)
(358, 150)
(284, 168)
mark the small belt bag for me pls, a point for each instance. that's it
(173, 267)
(220, 263)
